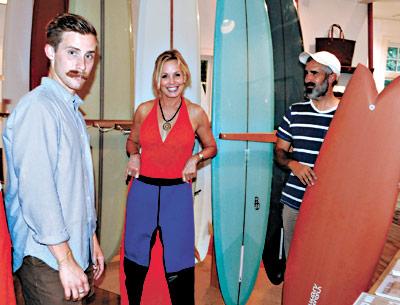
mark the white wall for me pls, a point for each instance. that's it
(207, 21)
(316, 16)
(385, 31)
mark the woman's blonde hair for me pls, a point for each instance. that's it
(158, 66)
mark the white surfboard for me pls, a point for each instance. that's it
(202, 198)
(16, 56)
(17, 50)
(154, 37)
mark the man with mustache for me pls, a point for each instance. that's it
(302, 131)
(50, 189)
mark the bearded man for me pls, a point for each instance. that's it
(302, 132)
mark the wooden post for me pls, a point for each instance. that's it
(171, 25)
(370, 37)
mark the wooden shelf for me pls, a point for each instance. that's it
(116, 124)
(350, 70)
(388, 269)
(125, 124)
(266, 137)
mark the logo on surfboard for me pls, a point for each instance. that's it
(315, 292)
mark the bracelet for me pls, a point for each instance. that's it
(201, 156)
(132, 154)
(65, 257)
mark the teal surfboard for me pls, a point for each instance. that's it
(243, 101)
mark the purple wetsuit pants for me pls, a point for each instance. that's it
(165, 205)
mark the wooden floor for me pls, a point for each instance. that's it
(264, 292)
(104, 297)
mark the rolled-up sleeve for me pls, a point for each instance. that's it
(35, 150)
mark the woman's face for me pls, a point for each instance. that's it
(172, 79)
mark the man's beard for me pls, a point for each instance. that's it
(314, 91)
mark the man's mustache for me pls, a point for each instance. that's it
(309, 86)
(76, 73)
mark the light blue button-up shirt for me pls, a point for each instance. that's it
(50, 192)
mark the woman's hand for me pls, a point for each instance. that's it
(190, 170)
(133, 141)
(133, 167)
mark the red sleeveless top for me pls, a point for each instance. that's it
(165, 159)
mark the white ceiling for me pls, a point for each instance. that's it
(385, 9)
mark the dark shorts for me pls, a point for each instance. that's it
(41, 284)
(166, 205)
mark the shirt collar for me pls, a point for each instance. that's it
(71, 100)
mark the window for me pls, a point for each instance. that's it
(204, 68)
(393, 60)
(206, 82)
(392, 63)
(206, 75)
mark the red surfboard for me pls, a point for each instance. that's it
(6, 280)
(345, 217)
(43, 12)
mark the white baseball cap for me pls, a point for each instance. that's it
(323, 57)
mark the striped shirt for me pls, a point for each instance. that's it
(305, 127)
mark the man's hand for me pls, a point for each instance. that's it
(305, 174)
(97, 258)
(73, 279)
